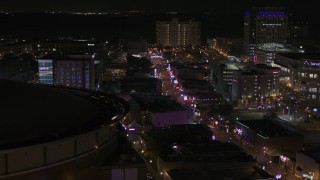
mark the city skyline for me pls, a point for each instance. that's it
(226, 6)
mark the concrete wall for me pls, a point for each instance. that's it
(103, 135)
(25, 158)
(85, 142)
(2, 163)
(43, 155)
(60, 150)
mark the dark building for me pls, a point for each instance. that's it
(268, 138)
(230, 45)
(140, 84)
(191, 147)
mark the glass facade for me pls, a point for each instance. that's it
(45, 72)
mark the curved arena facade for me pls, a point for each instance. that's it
(52, 133)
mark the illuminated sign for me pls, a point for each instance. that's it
(314, 63)
(309, 176)
(283, 158)
(44, 68)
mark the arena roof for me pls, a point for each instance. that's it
(31, 113)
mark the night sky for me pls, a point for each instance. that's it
(225, 19)
(222, 6)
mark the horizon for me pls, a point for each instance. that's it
(225, 6)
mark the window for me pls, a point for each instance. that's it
(313, 75)
(313, 89)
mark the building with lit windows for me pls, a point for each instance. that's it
(70, 71)
(177, 33)
(45, 71)
(221, 75)
(301, 72)
(265, 53)
(257, 84)
(266, 26)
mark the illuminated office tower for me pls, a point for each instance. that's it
(265, 30)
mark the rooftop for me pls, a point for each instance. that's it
(266, 128)
(301, 56)
(265, 66)
(314, 154)
(275, 47)
(196, 84)
(66, 57)
(209, 174)
(213, 152)
(124, 156)
(33, 114)
(158, 103)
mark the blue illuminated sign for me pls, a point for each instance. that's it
(271, 13)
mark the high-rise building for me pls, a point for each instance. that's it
(265, 28)
(177, 33)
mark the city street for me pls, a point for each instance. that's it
(272, 169)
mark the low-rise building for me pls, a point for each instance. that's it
(268, 138)
(192, 147)
(300, 72)
(257, 84)
(162, 111)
